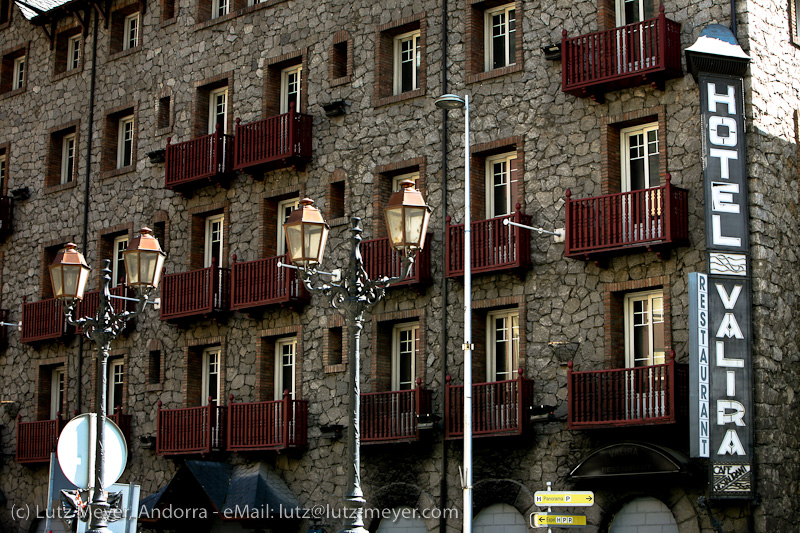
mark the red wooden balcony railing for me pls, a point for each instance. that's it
(6, 216)
(495, 246)
(622, 397)
(198, 162)
(274, 425)
(196, 293)
(123, 421)
(394, 416)
(627, 56)
(498, 408)
(91, 301)
(275, 142)
(656, 218)
(380, 259)
(35, 440)
(260, 283)
(43, 320)
(191, 430)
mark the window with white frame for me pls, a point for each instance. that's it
(18, 79)
(211, 377)
(118, 260)
(73, 52)
(406, 62)
(290, 88)
(632, 11)
(220, 8)
(56, 392)
(68, 158)
(644, 329)
(640, 157)
(500, 37)
(285, 208)
(214, 240)
(502, 345)
(217, 109)
(500, 180)
(396, 180)
(125, 133)
(404, 348)
(130, 37)
(285, 359)
(116, 383)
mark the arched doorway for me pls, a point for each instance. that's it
(639, 516)
(406, 522)
(499, 518)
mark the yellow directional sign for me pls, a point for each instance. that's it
(557, 520)
(575, 498)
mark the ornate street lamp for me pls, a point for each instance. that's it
(69, 273)
(306, 233)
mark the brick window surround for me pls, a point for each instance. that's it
(272, 81)
(383, 189)
(265, 362)
(52, 180)
(108, 158)
(61, 52)
(478, 155)
(9, 56)
(105, 246)
(165, 112)
(336, 198)
(340, 59)
(382, 329)
(43, 387)
(607, 13)
(169, 12)
(480, 313)
(6, 10)
(476, 40)
(269, 219)
(117, 31)
(336, 345)
(197, 239)
(5, 152)
(192, 384)
(200, 113)
(614, 310)
(384, 59)
(610, 127)
(155, 365)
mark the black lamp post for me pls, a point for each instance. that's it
(69, 273)
(407, 217)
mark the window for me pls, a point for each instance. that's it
(290, 88)
(632, 11)
(116, 381)
(154, 368)
(3, 166)
(214, 241)
(217, 109)
(57, 392)
(5, 12)
(164, 119)
(118, 261)
(19, 74)
(396, 180)
(500, 184)
(644, 329)
(406, 62)
(340, 59)
(794, 17)
(285, 209)
(73, 52)
(68, 158)
(12, 72)
(500, 37)
(502, 340)
(285, 352)
(404, 354)
(640, 166)
(130, 37)
(219, 8)
(125, 133)
(336, 194)
(211, 376)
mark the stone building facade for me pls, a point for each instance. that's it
(100, 101)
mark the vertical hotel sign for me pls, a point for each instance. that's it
(721, 337)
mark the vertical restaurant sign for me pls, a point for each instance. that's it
(722, 338)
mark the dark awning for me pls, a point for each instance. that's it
(630, 459)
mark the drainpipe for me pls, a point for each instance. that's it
(444, 338)
(733, 19)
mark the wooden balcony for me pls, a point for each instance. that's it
(35, 440)
(6, 216)
(276, 142)
(495, 246)
(380, 259)
(274, 425)
(43, 320)
(646, 52)
(195, 294)
(194, 164)
(624, 397)
(91, 301)
(499, 408)
(261, 283)
(654, 219)
(123, 421)
(191, 430)
(394, 416)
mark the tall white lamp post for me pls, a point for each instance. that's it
(452, 101)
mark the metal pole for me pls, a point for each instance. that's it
(467, 331)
